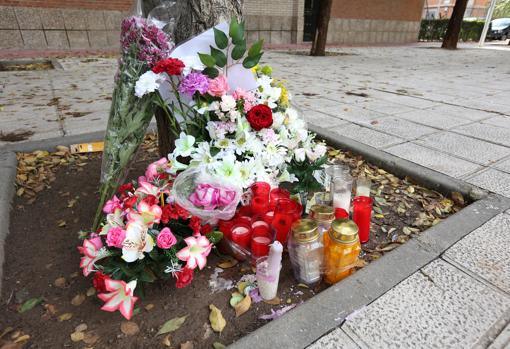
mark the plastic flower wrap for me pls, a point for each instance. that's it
(206, 196)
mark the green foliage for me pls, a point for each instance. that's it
(208, 60)
(220, 38)
(211, 72)
(435, 29)
(502, 9)
(304, 173)
(215, 236)
(219, 57)
(239, 51)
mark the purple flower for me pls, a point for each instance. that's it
(194, 82)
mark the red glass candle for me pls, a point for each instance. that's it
(244, 211)
(225, 227)
(281, 224)
(341, 213)
(243, 219)
(260, 241)
(241, 234)
(258, 224)
(268, 217)
(361, 215)
(277, 194)
(261, 189)
(259, 205)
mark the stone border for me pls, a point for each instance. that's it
(327, 310)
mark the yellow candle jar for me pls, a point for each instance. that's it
(341, 250)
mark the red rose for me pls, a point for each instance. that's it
(259, 117)
(171, 66)
(98, 282)
(195, 223)
(184, 277)
(125, 187)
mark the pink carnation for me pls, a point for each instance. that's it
(218, 86)
(248, 97)
(115, 237)
(166, 239)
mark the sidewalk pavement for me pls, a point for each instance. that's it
(445, 110)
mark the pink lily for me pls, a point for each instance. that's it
(146, 213)
(120, 297)
(92, 251)
(196, 252)
(150, 189)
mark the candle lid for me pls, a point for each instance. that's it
(305, 230)
(322, 213)
(344, 231)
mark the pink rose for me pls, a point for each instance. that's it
(112, 205)
(115, 237)
(166, 239)
(205, 196)
(218, 86)
(226, 197)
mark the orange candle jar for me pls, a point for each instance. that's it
(341, 250)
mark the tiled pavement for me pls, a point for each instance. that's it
(448, 111)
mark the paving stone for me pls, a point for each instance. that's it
(503, 165)
(491, 133)
(463, 113)
(34, 39)
(485, 252)
(437, 307)
(385, 107)
(465, 147)
(368, 136)
(321, 119)
(8, 18)
(434, 119)
(28, 18)
(75, 19)
(433, 159)
(10, 39)
(493, 180)
(401, 127)
(98, 38)
(52, 19)
(501, 121)
(337, 339)
(57, 39)
(502, 341)
(78, 39)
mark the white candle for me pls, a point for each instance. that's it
(268, 272)
(342, 199)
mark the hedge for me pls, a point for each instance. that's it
(435, 29)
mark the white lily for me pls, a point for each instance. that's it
(137, 242)
(184, 145)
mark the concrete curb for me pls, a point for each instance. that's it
(8, 165)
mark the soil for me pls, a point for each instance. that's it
(41, 250)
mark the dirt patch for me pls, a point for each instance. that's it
(16, 136)
(25, 66)
(42, 262)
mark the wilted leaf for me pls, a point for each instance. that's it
(129, 328)
(360, 263)
(387, 248)
(91, 291)
(61, 223)
(406, 231)
(50, 308)
(275, 301)
(29, 304)
(228, 263)
(303, 285)
(81, 328)
(65, 317)
(216, 319)
(243, 306)
(23, 338)
(149, 306)
(187, 345)
(90, 338)
(167, 341)
(236, 298)
(172, 325)
(78, 299)
(218, 345)
(458, 198)
(77, 336)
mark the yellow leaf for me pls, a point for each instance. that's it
(274, 301)
(65, 317)
(78, 299)
(77, 336)
(23, 338)
(216, 319)
(129, 328)
(243, 306)
(228, 263)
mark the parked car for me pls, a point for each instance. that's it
(499, 29)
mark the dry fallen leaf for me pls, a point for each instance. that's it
(129, 328)
(61, 223)
(81, 328)
(172, 325)
(23, 338)
(228, 263)
(187, 345)
(149, 306)
(91, 291)
(166, 341)
(458, 198)
(216, 319)
(90, 338)
(77, 336)
(65, 317)
(78, 299)
(275, 301)
(387, 248)
(243, 306)
(218, 345)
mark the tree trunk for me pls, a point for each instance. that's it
(321, 33)
(454, 25)
(195, 16)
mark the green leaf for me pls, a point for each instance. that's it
(207, 60)
(29, 304)
(236, 31)
(233, 27)
(250, 62)
(239, 50)
(172, 325)
(211, 72)
(219, 57)
(220, 38)
(256, 48)
(218, 345)
(214, 236)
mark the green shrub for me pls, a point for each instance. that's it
(435, 29)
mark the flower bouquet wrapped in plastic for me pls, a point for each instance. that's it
(143, 44)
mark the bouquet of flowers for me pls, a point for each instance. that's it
(143, 44)
(146, 236)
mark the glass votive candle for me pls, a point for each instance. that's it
(361, 215)
(261, 189)
(241, 234)
(281, 224)
(363, 185)
(244, 211)
(226, 227)
(260, 240)
(277, 194)
(341, 188)
(260, 223)
(259, 205)
(340, 213)
(336, 170)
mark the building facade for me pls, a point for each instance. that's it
(435, 9)
(84, 24)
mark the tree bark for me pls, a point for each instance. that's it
(454, 25)
(194, 17)
(321, 33)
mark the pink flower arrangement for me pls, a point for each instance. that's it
(218, 86)
(211, 197)
(195, 254)
(112, 205)
(121, 297)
